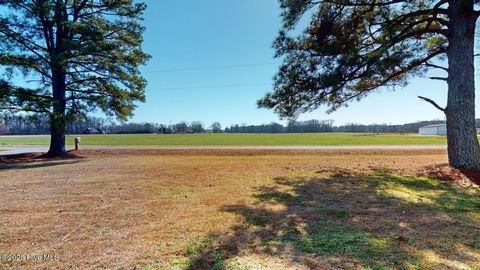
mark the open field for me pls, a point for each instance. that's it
(238, 139)
(238, 210)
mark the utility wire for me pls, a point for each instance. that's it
(211, 68)
(209, 87)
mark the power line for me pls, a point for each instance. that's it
(210, 86)
(211, 68)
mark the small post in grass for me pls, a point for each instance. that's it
(77, 142)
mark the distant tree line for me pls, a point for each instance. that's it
(309, 126)
(23, 125)
(385, 128)
(324, 126)
(30, 125)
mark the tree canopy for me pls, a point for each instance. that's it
(65, 58)
(353, 47)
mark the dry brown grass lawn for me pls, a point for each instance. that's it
(237, 210)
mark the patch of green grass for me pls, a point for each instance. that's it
(303, 139)
(180, 264)
(280, 197)
(257, 220)
(336, 239)
(198, 249)
(339, 213)
(430, 193)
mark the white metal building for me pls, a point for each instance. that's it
(439, 129)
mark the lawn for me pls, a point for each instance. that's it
(239, 139)
(238, 210)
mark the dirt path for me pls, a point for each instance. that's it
(13, 150)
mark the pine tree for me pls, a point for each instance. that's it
(78, 56)
(354, 47)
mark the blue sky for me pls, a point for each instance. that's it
(192, 35)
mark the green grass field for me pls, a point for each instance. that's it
(306, 139)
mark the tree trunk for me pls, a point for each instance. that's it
(57, 118)
(58, 69)
(463, 145)
(57, 137)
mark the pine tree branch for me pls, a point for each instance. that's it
(438, 78)
(353, 4)
(24, 109)
(436, 10)
(432, 102)
(28, 44)
(436, 66)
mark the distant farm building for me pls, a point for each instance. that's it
(439, 130)
(93, 131)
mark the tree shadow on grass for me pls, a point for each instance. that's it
(36, 160)
(352, 221)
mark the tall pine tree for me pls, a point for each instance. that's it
(353, 47)
(74, 56)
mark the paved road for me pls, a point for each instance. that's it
(13, 150)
